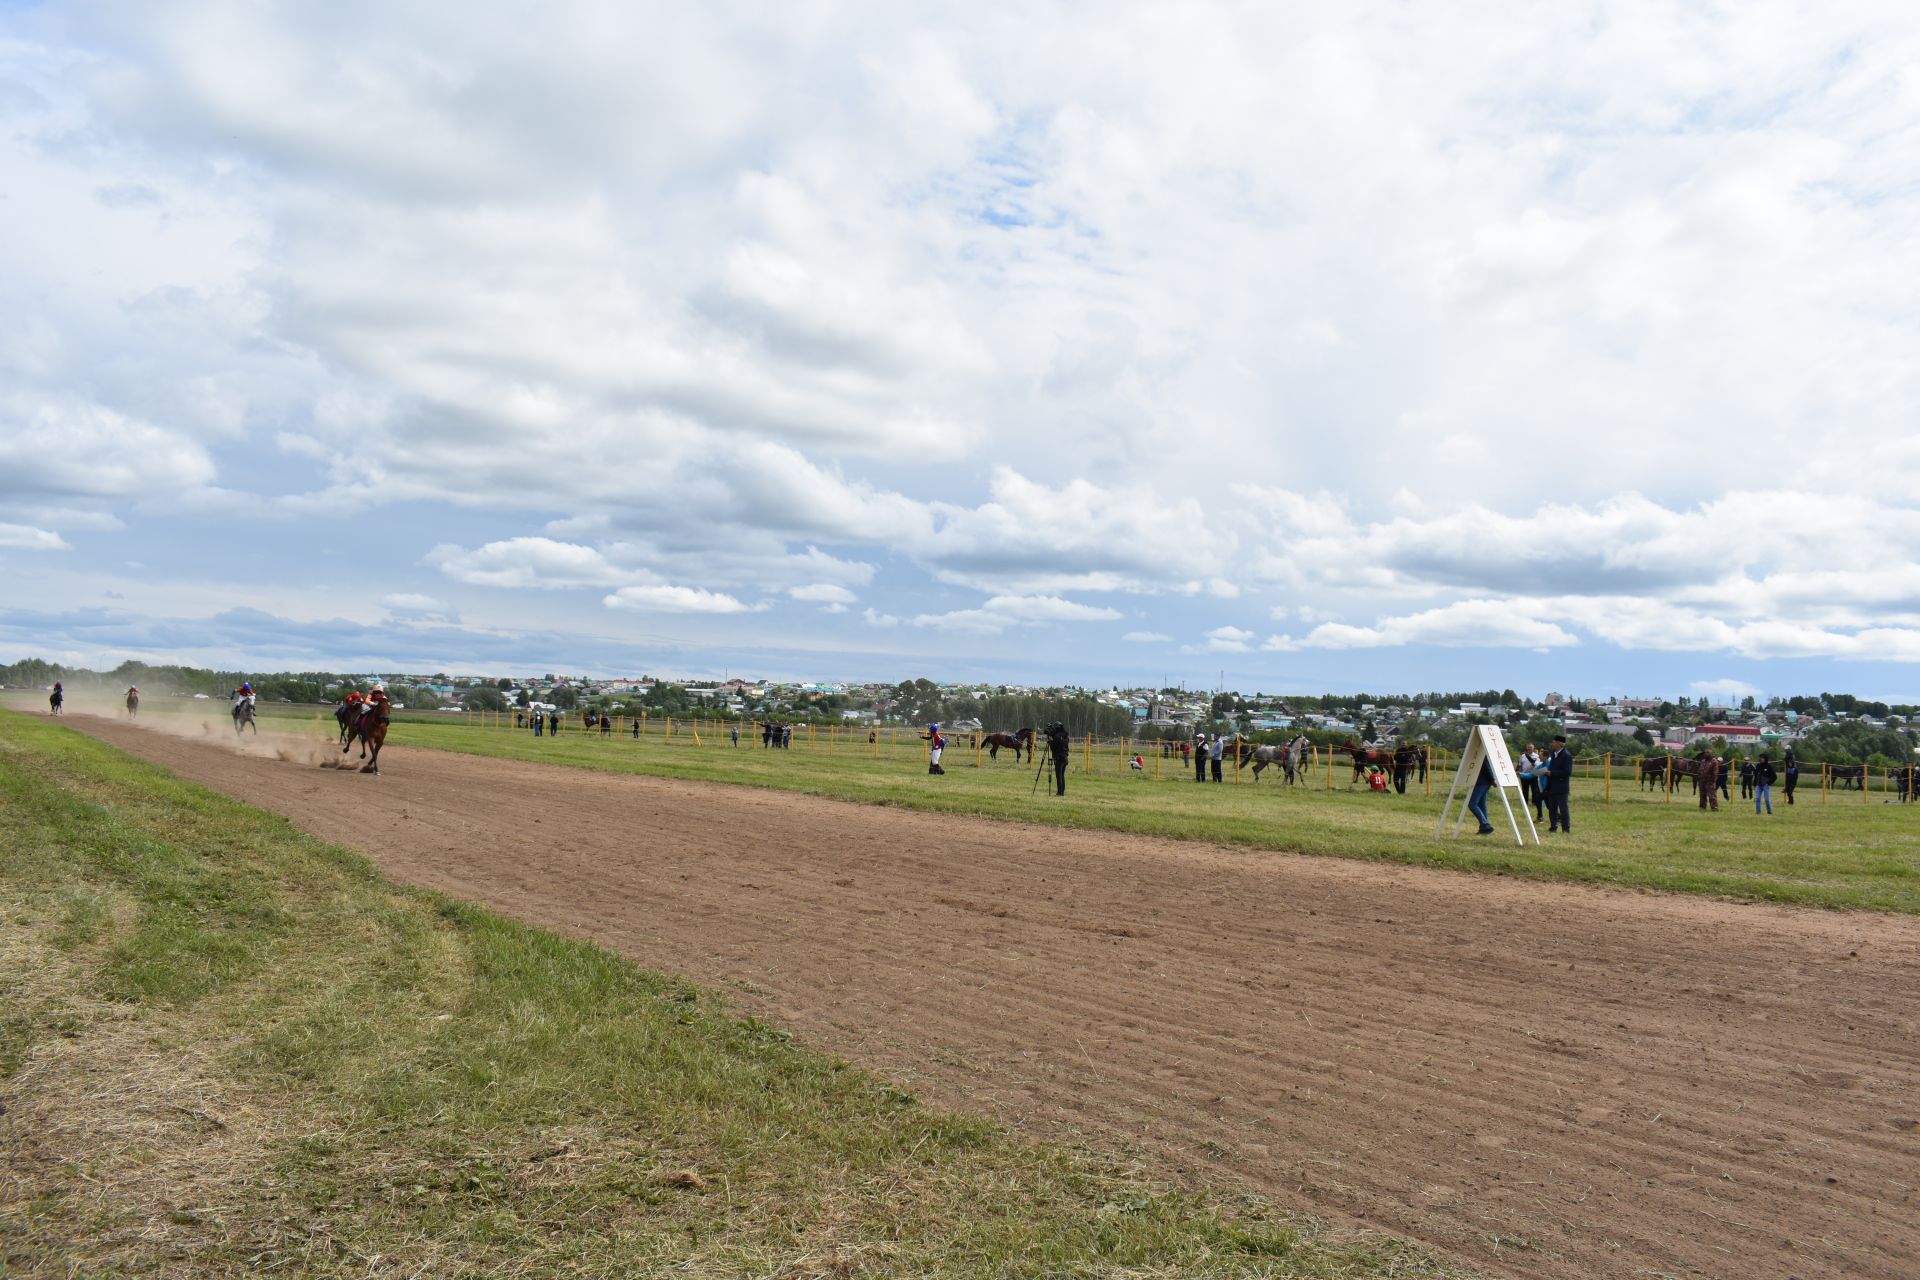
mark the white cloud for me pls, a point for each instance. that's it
(22, 537)
(1464, 624)
(1146, 637)
(1726, 692)
(822, 593)
(671, 599)
(527, 562)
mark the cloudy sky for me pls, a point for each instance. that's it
(1380, 346)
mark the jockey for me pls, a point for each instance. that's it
(377, 697)
(245, 692)
(936, 743)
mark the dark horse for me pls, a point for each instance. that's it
(1018, 743)
(133, 703)
(1848, 777)
(1364, 758)
(55, 701)
(370, 729)
(344, 715)
(243, 717)
(1653, 772)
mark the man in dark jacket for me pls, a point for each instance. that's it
(1059, 748)
(1791, 768)
(1199, 757)
(1763, 783)
(1559, 784)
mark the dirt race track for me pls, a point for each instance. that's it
(1535, 1079)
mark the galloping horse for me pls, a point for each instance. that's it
(370, 728)
(1364, 758)
(133, 703)
(345, 714)
(1018, 743)
(243, 717)
(55, 701)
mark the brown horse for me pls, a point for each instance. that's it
(370, 730)
(133, 703)
(1364, 759)
(1018, 743)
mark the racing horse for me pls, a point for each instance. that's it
(243, 717)
(370, 730)
(55, 701)
(344, 715)
(1015, 742)
(133, 703)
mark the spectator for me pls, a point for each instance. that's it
(1791, 768)
(1763, 776)
(539, 723)
(1199, 757)
(1748, 771)
(734, 734)
(1725, 764)
(1216, 753)
(1559, 787)
(1529, 785)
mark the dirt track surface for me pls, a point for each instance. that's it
(1538, 1080)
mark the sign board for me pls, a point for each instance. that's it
(1489, 747)
(1487, 744)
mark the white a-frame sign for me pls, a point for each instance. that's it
(1487, 745)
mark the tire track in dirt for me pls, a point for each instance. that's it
(1541, 1080)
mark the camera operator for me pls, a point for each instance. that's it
(1058, 745)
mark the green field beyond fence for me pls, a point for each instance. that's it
(1854, 850)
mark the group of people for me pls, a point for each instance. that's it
(777, 734)
(1545, 781)
(1208, 751)
(542, 722)
(1714, 777)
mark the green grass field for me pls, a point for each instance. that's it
(1851, 851)
(227, 1048)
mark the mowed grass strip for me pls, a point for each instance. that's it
(229, 1048)
(1851, 852)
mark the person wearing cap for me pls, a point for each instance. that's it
(1199, 757)
(1559, 783)
(1217, 754)
(1763, 776)
(133, 701)
(57, 698)
(936, 743)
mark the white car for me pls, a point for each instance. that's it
(202, 697)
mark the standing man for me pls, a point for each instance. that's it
(734, 734)
(1199, 757)
(1763, 784)
(1559, 784)
(935, 745)
(1726, 775)
(1216, 753)
(1749, 772)
(1059, 748)
(1709, 780)
(1791, 768)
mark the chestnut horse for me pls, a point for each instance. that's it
(370, 729)
(1364, 759)
(1014, 742)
